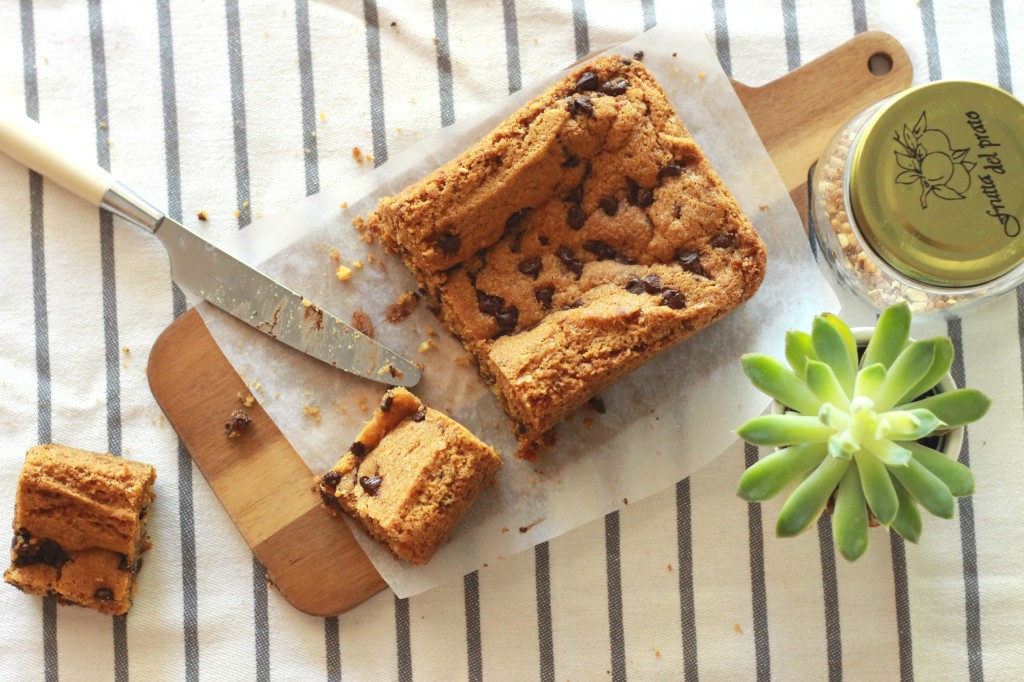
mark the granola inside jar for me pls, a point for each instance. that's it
(919, 198)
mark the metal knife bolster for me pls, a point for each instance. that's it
(122, 201)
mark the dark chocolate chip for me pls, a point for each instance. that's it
(449, 243)
(597, 404)
(652, 283)
(635, 286)
(679, 212)
(329, 499)
(544, 295)
(507, 319)
(576, 216)
(125, 564)
(544, 241)
(575, 194)
(530, 266)
(514, 228)
(615, 86)
(626, 62)
(639, 55)
(104, 594)
(632, 191)
(571, 161)
(673, 299)
(609, 204)
(573, 305)
(601, 249)
(691, 262)
(358, 449)
(568, 258)
(43, 551)
(420, 415)
(588, 81)
(488, 304)
(236, 424)
(723, 240)
(371, 484)
(392, 370)
(670, 171)
(644, 197)
(385, 405)
(624, 259)
(331, 478)
(581, 104)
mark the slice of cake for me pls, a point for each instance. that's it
(79, 527)
(409, 476)
(579, 239)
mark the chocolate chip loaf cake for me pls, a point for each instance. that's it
(579, 239)
(79, 527)
(409, 476)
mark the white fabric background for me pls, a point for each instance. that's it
(201, 105)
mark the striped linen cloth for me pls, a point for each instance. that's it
(240, 110)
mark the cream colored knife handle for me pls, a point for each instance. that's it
(32, 145)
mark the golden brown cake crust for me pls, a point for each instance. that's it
(583, 236)
(410, 475)
(79, 524)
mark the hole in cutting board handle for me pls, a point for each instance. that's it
(880, 64)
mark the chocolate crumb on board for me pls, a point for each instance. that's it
(236, 424)
(402, 308)
(597, 405)
(202, 215)
(362, 322)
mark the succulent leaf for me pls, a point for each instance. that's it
(890, 337)
(868, 381)
(799, 349)
(908, 519)
(842, 445)
(955, 408)
(911, 424)
(940, 367)
(887, 451)
(906, 371)
(846, 334)
(775, 379)
(823, 383)
(772, 474)
(830, 347)
(850, 518)
(806, 503)
(878, 488)
(927, 488)
(952, 473)
(832, 417)
(784, 429)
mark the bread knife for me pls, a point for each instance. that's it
(208, 271)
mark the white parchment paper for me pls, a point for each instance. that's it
(663, 422)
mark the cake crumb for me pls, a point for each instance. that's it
(247, 401)
(737, 628)
(311, 411)
(402, 308)
(700, 75)
(343, 273)
(526, 528)
(464, 360)
(362, 404)
(588, 422)
(237, 213)
(504, 529)
(427, 345)
(335, 255)
(323, 115)
(762, 208)
(357, 154)
(657, 653)
(431, 331)
(357, 264)
(669, 567)
(202, 215)
(625, 501)
(344, 205)
(236, 424)
(362, 322)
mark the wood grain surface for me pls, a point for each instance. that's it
(266, 488)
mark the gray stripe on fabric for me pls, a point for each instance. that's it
(308, 97)
(722, 36)
(687, 609)
(474, 651)
(758, 591)
(580, 29)
(650, 16)
(186, 510)
(545, 633)
(792, 34)
(380, 139)
(333, 648)
(238, 112)
(931, 39)
(262, 620)
(402, 639)
(830, 588)
(444, 64)
(899, 576)
(515, 76)
(972, 592)
(1002, 45)
(44, 413)
(109, 289)
(613, 563)
(860, 16)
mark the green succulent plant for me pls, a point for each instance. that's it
(852, 428)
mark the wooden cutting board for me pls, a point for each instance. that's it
(264, 485)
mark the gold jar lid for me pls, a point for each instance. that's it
(936, 183)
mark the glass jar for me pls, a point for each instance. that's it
(920, 198)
